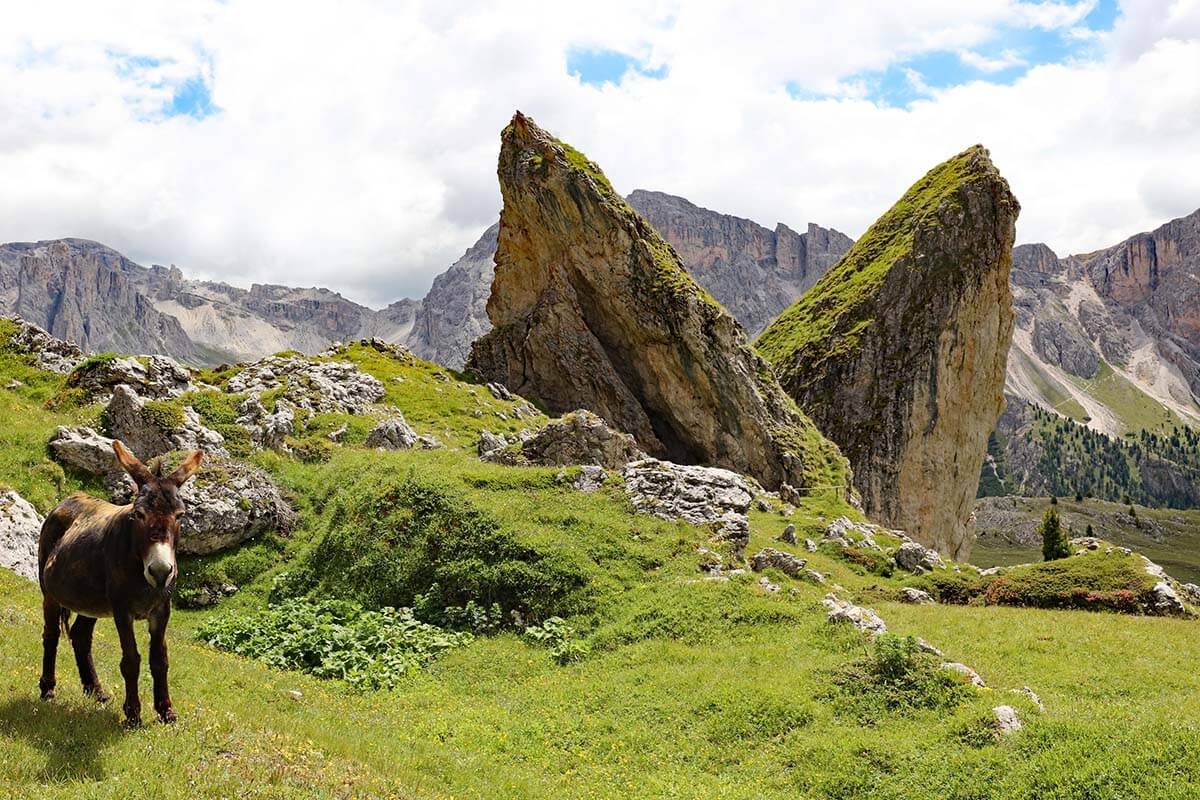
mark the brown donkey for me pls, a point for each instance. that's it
(98, 560)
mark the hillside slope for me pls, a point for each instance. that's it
(731, 686)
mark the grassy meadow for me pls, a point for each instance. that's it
(679, 687)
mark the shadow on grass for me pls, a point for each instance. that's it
(71, 737)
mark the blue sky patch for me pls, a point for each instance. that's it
(598, 67)
(1003, 60)
(192, 98)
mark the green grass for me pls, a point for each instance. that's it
(436, 400)
(830, 318)
(1137, 410)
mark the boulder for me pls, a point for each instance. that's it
(152, 428)
(20, 527)
(592, 309)
(490, 444)
(917, 558)
(916, 596)
(590, 479)
(153, 377)
(770, 558)
(899, 351)
(700, 495)
(864, 619)
(47, 352)
(1165, 601)
(392, 433)
(1007, 720)
(315, 386)
(580, 437)
(84, 449)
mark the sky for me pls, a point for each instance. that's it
(353, 145)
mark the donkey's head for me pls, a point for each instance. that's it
(154, 517)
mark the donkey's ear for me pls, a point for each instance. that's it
(136, 469)
(185, 470)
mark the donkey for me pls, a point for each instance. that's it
(99, 560)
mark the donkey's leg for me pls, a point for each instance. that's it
(130, 665)
(51, 619)
(158, 662)
(81, 641)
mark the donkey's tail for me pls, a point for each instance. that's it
(64, 619)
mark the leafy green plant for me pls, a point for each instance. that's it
(556, 634)
(333, 639)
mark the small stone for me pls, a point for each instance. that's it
(1007, 720)
(864, 619)
(788, 535)
(810, 545)
(813, 575)
(762, 504)
(769, 557)
(1037, 701)
(295, 694)
(971, 675)
(13, 384)
(767, 585)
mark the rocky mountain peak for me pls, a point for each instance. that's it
(593, 310)
(899, 351)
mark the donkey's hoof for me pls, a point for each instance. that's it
(133, 722)
(47, 694)
(97, 693)
(167, 716)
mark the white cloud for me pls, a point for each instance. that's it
(1005, 60)
(356, 142)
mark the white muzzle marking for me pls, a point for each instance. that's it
(159, 565)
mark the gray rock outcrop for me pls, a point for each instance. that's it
(227, 502)
(47, 352)
(152, 430)
(315, 386)
(152, 377)
(20, 527)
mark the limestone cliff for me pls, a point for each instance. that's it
(592, 309)
(87, 293)
(898, 353)
(454, 312)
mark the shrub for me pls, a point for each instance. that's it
(1055, 543)
(897, 677)
(390, 539)
(331, 639)
(312, 449)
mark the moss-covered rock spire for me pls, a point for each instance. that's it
(898, 353)
(592, 309)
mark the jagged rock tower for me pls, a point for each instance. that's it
(898, 353)
(592, 309)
